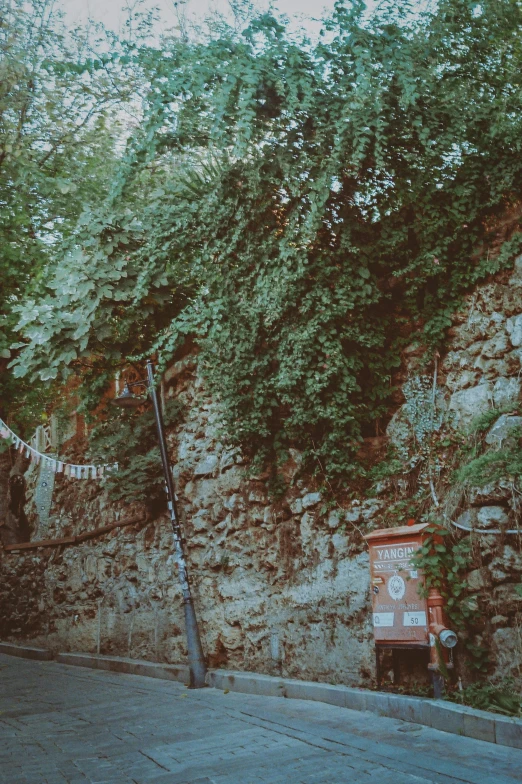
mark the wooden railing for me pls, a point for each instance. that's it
(68, 540)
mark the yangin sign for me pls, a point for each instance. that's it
(399, 612)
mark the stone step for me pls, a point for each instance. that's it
(25, 652)
(166, 672)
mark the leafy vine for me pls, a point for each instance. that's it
(299, 210)
(445, 560)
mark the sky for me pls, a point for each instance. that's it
(111, 11)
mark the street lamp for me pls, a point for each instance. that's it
(197, 665)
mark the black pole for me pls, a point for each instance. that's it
(197, 665)
(438, 685)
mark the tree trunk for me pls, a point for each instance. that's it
(14, 525)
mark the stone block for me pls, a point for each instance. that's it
(370, 508)
(399, 430)
(499, 620)
(321, 692)
(467, 404)
(505, 647)
(514, 329)
(467, 519)
(166, 672)
(412, 709)
(227, 460)
(496, 347)
(476, 580)
(506, 392)
(504, 597)
(492, 494)
(378, 702)
(447, 717)
(269, 515)
(340, 542)
(497, 367)
(479, 725)
(232, 502)
(206, 466)
(353, 515)
(231, 480)
(491, 517)
(25, 652)
(190, 491)
(355, 699)
(508, 731)
(201, 520)
(511, 560)
(258, 495)
(311, 499)
(504, 431)
(296, 506)
(307, 529)
(394, 706)
(249, 683)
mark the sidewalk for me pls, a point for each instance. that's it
(438, 714)
(67, 725)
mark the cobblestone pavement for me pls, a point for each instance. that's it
(66, 725)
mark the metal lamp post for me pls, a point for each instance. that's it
(197, 665)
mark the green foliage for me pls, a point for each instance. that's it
(421, 408)
(62, 117)
(491, 467)
(130, 439)
(295, 208)
(484, 421)
(486, 696)
(445, 560)
(386, 468)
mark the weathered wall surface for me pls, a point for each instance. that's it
(280, 586)
(480, 373)
(484, 369)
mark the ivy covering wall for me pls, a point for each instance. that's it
(301, 210)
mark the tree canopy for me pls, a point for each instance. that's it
(301, 210)
(62, 99)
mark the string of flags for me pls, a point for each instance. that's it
(57, 466)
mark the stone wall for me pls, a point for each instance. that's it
(280, 586)
(483, 372)
(481, 375)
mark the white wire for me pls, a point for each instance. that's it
(486, 530)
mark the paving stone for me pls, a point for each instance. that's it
(81, 727)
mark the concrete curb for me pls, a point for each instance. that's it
(24, 652)
(438, 714)
(166, 672)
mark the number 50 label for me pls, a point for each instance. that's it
(414, 619)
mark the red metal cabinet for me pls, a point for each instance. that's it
(400, 614)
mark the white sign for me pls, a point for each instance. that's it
(414, 619)
(383, 619)
(391, 558)
(396, 587)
